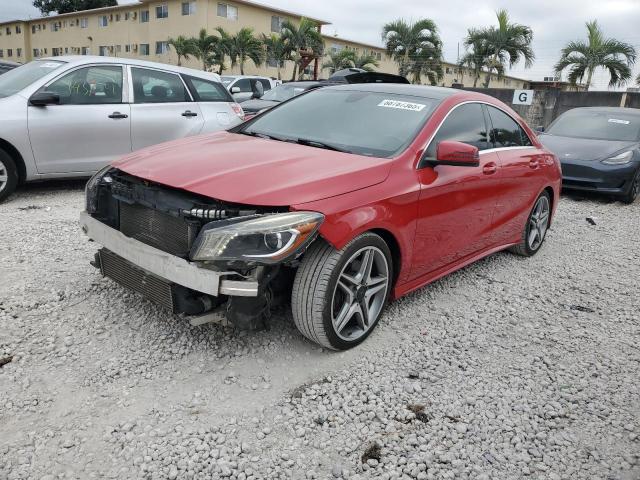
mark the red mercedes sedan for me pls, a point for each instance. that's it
(334, 203)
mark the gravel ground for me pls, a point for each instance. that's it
(512, 368)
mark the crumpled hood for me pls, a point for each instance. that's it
(585, 149)
(242, 169)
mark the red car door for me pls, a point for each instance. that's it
(456, 203)
(520, 163)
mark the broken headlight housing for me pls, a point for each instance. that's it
(91, 189)
(265, 239)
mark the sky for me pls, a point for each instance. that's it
(554, 22)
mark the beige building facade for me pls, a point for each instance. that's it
(141, 30)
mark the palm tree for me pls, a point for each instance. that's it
(277, 50)
(506, 43)
(584, 58)
(344, 58)
(184, 47)
(406, 42)
(203, 46)
(222, 49)
(425, 63)
(365, 62)
(244, 46)
(477, 58)
(303, 37)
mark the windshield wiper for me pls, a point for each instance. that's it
(315, 143)
(259, 135)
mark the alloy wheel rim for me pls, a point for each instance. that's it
(4, 176)
(360, 293)
(538, 223)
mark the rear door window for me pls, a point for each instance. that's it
(244, 84)
(464, 124)
(155, 86)
(505, 131)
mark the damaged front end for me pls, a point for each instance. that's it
(195, 255)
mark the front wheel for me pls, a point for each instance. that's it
(8, 175)
(634, 191)
(536, 228)
(339, 295)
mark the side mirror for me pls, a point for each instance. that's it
(457, 153)
(42, 99)
(235, 89)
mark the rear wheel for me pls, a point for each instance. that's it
(339, 295)
(634, 191)
(536, 228)
(8, 175)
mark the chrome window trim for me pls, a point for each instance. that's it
(488, 150)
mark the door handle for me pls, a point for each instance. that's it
(189, 113)
(534, 163)
(490, 168)
(118, 115)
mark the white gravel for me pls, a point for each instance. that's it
(512, 368)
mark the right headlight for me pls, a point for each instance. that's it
(620, 159)
(91, 189)
(265, 239)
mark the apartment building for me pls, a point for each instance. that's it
(141, 30)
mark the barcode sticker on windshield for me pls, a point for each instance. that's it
(623, 122)
(414, 107)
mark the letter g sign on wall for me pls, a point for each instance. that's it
(522, 97)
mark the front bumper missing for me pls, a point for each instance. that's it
(164, 265)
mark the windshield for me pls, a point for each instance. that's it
(283, 92)
(227, 80)
(366, 123)
(597, 124)
(21, 77)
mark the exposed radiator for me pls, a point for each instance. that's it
(129, 276)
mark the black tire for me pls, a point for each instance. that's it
(7, 169)
(634, 190)
(526, 248)
(316, 284)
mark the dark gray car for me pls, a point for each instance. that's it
(277, 95)
(599, 149)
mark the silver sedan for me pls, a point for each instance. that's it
(69, 116)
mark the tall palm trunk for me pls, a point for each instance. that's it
(241, 67)
(589, 75)
(179, 60)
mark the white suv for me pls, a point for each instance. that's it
(69, 116)
(246, 87)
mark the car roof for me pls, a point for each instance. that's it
(245, 76)
(77, 60)
(438, 93)
(626, 111)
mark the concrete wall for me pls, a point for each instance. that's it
(547, 105)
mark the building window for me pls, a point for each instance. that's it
(379, 56)
(33, 29)
(126, 15)
(103, 21)
(18, 52)
(188, 8)
(144, 16)
(55, 52)
(162, 48)
(162, 11)
(1, 53)
(84, 22)
(9, 52)
(8, 30)
(18, 29)
(36, 52)
(276, 23)
(144, 49)
(103, 51)
(227, 11)
(85, 50)
(118, 48)
(66, 50)
(117, 17)
(127, 48)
